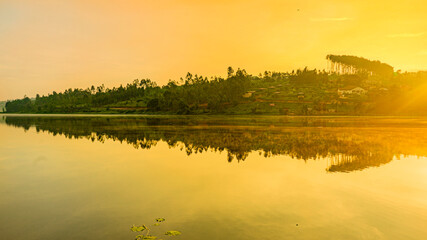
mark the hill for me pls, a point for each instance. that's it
(300, 92)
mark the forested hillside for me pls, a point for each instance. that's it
(373, 88)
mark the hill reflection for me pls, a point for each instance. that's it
(349, 144)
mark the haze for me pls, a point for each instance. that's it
(50, 46)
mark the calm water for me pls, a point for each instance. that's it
(86, 177)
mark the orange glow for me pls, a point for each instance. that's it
(52, 45)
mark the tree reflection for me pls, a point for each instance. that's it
(348, 144)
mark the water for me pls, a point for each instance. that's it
(92, 177)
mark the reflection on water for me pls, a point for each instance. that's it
(213, 177)
(349, 144)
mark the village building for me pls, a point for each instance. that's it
(351, 90)
(248, 94)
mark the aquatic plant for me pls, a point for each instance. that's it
(144, 231)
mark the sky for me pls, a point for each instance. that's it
(52, 45)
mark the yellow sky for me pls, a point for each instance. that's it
(52, 45)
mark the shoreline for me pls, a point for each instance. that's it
(205, 115)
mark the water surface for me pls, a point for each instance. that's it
(91, 177)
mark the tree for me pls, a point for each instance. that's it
(230, 72)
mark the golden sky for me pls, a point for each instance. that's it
(52, 45)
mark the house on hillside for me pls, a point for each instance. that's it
(248, 94)
(351, 90)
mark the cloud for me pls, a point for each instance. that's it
(329, 19)
(422, 53)
(405, 35)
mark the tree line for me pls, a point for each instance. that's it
(299, 92)
(353, 64)
(182, 97)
